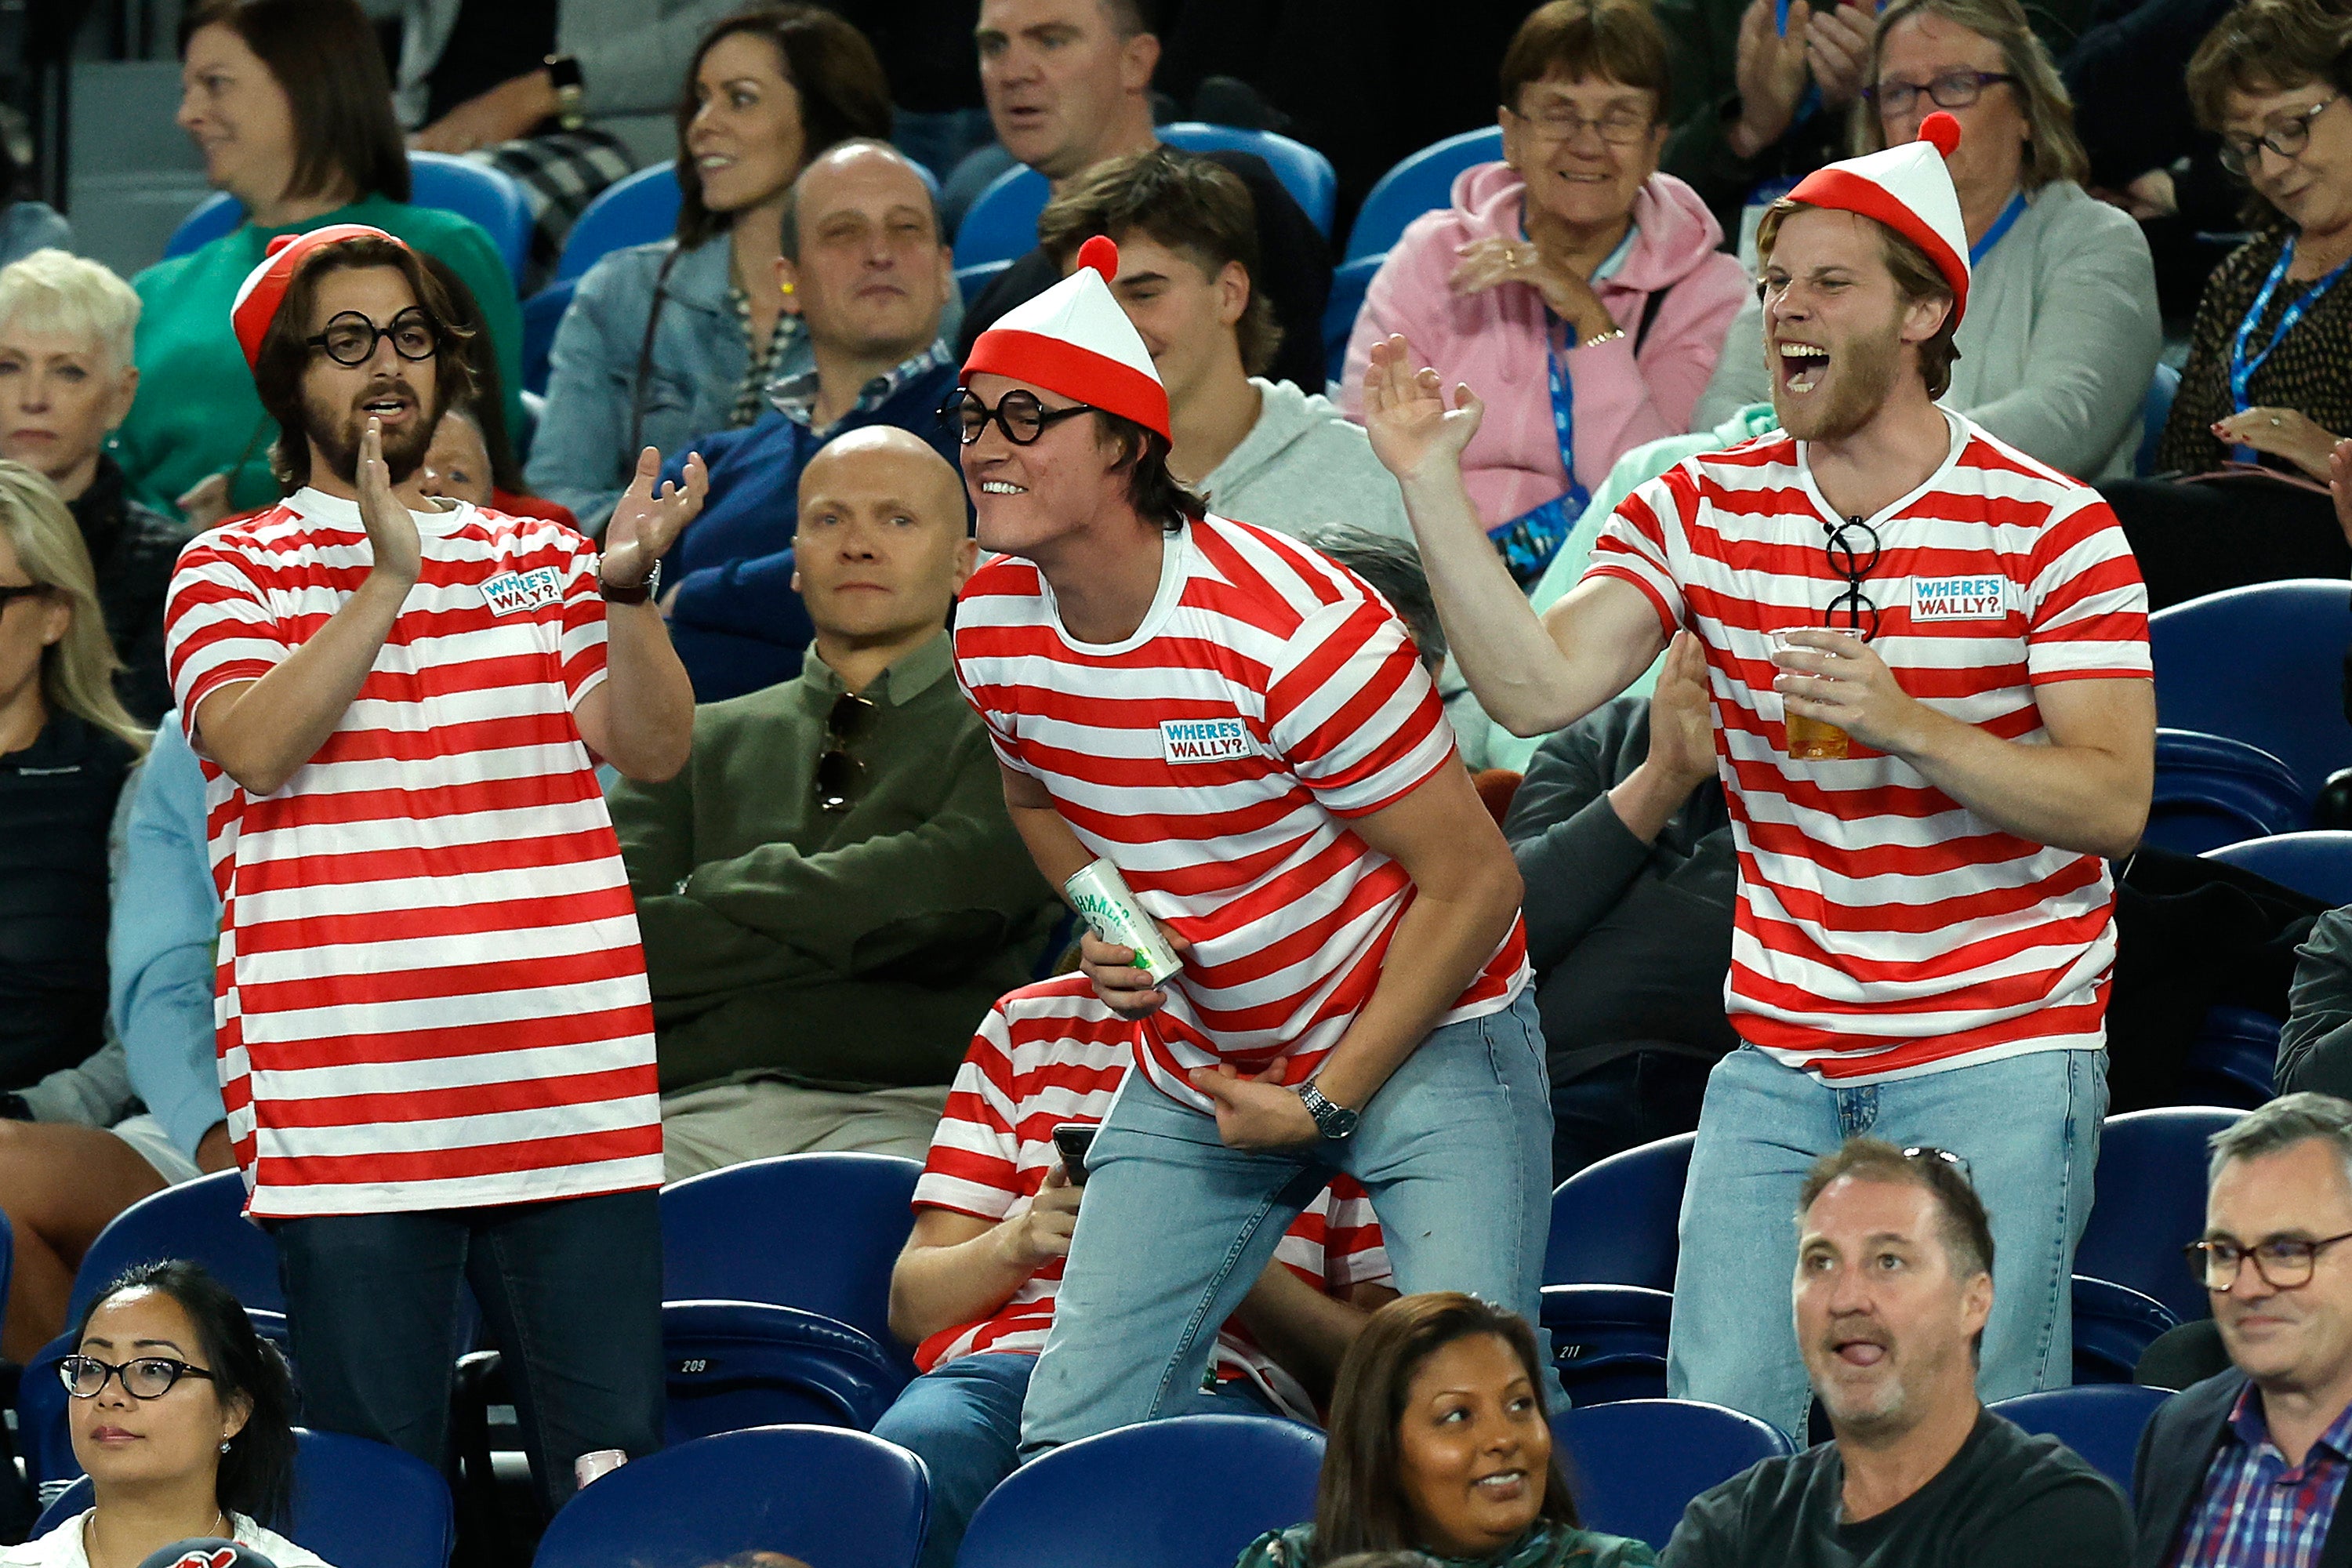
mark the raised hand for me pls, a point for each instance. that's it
(1413, 433)
(1682, 716)
(1837, 45)
(391, 532)
(1771, 74)
(645, 525)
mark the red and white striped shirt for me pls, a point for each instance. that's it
(1050, 1054)
(431, 993)
(1215, 757)
(1883, 928)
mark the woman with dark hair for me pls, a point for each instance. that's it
(1440, 1444)
(183, 1417)
(290, 104)
(681, 338)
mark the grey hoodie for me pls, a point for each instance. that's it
(1304, 465)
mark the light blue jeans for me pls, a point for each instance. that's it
(1455, 1151)
(2029, 1128)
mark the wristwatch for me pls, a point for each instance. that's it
(639, 594)
(1336, 1122)
(571, 90)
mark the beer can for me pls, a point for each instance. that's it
(1100, 896)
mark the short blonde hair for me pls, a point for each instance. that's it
(51, 291)
(78, 669)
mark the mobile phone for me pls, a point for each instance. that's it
(1074, 1139)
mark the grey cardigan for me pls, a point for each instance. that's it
(2057, 349)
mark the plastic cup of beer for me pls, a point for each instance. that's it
(1808, 740)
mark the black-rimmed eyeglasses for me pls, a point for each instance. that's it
(351, 338)
(1953, 89)
(2287, 136)
(143, 1377)
(1853, 550)
(837, 772)
(1019, 415)
(2284, 1263)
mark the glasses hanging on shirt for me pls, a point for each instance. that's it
(1853, 550)
(838, 772)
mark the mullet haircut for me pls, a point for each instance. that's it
(1152, 489)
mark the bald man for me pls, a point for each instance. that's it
(863, 269)
(831, 894)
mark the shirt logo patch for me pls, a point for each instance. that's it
(512, 592)
(1203, 739)
(1960, 598)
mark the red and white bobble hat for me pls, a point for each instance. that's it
(1909, 190)
(1075, 339)
(264, 288)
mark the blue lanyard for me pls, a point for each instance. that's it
(2000, 226)
(2242, 369)
(1564, 422)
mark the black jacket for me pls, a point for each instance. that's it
(2169, 1475)
(134, 551)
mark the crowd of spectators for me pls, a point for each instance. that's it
(461, 811)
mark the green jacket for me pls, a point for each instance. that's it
(857, 950)
(197, 414)
(1545, 1546)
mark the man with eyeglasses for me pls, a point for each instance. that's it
(1926, 919)
(2246, 1469)
(1893, 1288)
(436, 1041)
(831, 893)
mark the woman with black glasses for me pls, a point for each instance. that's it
(181, 1415)
(2265, 393)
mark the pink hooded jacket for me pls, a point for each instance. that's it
(1496, 340)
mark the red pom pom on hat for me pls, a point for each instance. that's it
(1941, 132)
(1101, 253)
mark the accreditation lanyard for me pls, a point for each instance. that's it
(2000, 226)
(2241, 368)
(1563, 419)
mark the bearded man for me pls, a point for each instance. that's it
(1928, 654)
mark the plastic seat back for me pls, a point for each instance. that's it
(2234, 1061)
(1613, 1222)
(831, 1498)
(2102, 1422)
(2262, 664)
(2154, 410)
(542, 313)
(1350, 280)
(1609, 1342)
(1635, 1466)
(1305, 174)
(634, 210)
(737, 1365)
(2212, 791)
(1186, 1493)
(2317, 865)
(492, 197)
(1421, 183)
(2113, 1326)
(203, 1220)
(1001, 225)
(2149, 1203)
(357, 1504)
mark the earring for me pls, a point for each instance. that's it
(788, 288)
(224, 1445)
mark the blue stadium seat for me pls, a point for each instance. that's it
(2212, 791)
(492, 197)
(1186, 1493)
(2317, 865)
(2233, 1060)
(834, 1499)
(2154, 411)
(1305, 174)
(971, 281)
(1420, 184)
(818, 1232)
(2149, 1203)
(541, 314)
(2101, 1423)
(737, 1365)
(1001, 225)
(1613, 1222)
(632, 210)
(1609, 1342)
(2113, 1326)
(357, 1504)
(1634, 1467)
(2264, 665)
(1350, 282)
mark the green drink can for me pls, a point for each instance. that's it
(1100, 896)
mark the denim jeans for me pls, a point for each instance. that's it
(964, 1420)
(2029, 1128)
(1455, 1150)
(571, 1293)
(1638, 1099)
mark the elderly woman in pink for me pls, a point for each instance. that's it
(1576, 289)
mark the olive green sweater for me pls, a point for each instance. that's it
(851, 950)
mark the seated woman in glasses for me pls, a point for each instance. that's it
(181, 1415)
(2265, 393)
(2062, 331)
(1577, 288)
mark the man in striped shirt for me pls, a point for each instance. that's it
(1241, 727)
(436, 1041)
(1924, 925)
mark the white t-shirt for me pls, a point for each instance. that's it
(62, 1547)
